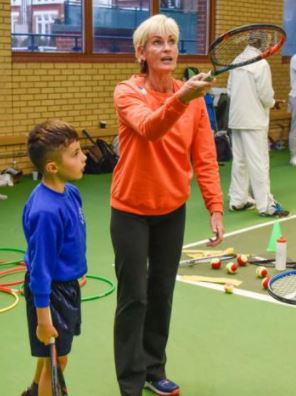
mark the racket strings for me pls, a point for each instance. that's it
(237, 48)
(285, 287)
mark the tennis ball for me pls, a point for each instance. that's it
(261, 272)
(242, 260)
(264, 283)
(216, 263)
(228, 288)
(231, 268)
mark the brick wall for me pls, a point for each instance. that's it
(81, 93)
(5, 70)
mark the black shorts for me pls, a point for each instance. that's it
(65, 305)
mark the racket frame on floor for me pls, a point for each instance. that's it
(200, 260)
(278, 283)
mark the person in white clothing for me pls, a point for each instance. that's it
(292, 108)
(251, 97)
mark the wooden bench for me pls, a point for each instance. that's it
(279, 125)
(101, 133)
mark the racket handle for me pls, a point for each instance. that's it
(52, 339)
(209, 76)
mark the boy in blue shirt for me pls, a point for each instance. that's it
(55, 231)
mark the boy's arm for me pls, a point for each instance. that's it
(45, 330)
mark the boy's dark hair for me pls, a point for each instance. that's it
(49, 137)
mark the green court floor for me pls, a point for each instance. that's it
(220, 345)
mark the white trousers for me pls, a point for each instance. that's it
(250, 169)
(292, 133)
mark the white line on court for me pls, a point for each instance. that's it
(240, 292)
(242, 230)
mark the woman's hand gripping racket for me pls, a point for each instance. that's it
(244, 45)
(282, 287)
(58, 383)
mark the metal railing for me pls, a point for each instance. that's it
(34, 45)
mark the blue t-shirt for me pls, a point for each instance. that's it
(55, 231)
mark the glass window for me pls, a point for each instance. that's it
(290, 27)
(114, 23)
(50, 26)
(103, 27)
(192, 19)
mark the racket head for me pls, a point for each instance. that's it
(62, 382)
(226, 51)
(58, 383)
(54, 369)
(282, 287)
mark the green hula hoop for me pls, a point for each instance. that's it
(97, 296)
(92, 297)
(15, 251)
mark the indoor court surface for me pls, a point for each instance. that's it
(220, 344)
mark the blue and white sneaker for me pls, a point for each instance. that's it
(279, 211)
(163, 387)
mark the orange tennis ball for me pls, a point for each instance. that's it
(242, 260)
(261, 272)
(264, 283)
(228, 288)
(216, 263)
(231, 268)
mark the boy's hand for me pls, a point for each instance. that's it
(45, 330)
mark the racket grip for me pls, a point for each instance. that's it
(209, 76)
(52, 339)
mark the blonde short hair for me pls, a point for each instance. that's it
(156, 24)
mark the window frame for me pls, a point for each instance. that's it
(88, 56)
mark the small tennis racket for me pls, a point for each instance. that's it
(58, 383)
(269, 262)
(234, 48)
(193, 261)
(282, 287)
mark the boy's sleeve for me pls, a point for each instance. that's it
(46, 236)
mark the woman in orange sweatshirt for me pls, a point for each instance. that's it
(164, 136)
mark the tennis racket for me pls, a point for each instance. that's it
(282, 287)
(199, 260)
(235, 48)
(269, 262)
(58, 383)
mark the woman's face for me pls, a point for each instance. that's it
(161, 53)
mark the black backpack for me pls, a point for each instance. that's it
(223, 146)
(101, 158)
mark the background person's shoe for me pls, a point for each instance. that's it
(163, 387)
(31, 391)
(293, 161)
(27, 392)
(279, 211)
(246, 206)
(3, 197)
